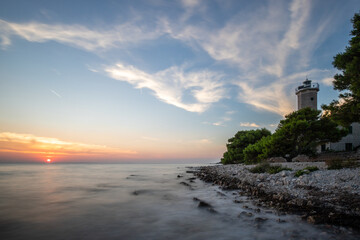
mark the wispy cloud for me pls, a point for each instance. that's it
(272, 45)
(223, 120)
(150, 138)
(247, 124)
(55, 93)
(328, 81)
(28, 143)
(172, 84)
(267, 47)
(77, 35)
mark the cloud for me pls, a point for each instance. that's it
(150, 138)
(223, 121)
(55, 93)
(328, 81)
(247, 124)
(28, 143)
(172, 84)
(268, 46)
(204, 141)
(190, 3)
(77, 35)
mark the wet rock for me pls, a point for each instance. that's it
(281, 220)
(205, 205)
(329, 196)
(246, 214)
(220, 194)
(260, 219)
(185, 184)
(138, 192)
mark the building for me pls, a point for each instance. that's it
(307, 94)
(307, 97)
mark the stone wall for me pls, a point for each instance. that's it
(355, 155)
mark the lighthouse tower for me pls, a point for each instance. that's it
(307, 94)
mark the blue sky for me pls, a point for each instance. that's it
(157, 80)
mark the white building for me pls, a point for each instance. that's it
(307, 97)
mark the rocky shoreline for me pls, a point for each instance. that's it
(320, 197)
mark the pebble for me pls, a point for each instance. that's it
(337, 190)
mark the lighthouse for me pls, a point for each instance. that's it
(307, 94)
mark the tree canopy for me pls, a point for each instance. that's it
(299, 133)
(347, 109)
(239, 142)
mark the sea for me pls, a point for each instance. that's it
(136, 201)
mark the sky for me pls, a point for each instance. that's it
(155, 80)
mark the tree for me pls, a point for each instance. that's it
(301, 132)
(239, 142)
(254, 153)
(347, 110)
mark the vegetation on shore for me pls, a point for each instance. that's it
(265, 167)
(299, 133)
(306, 170)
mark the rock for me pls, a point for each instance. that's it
(185, 184)
(220, 194)
(205, 205)
(300, 158)
(276, 159)
(179, 176)
(311, 219)
(260, 219)
(323, 196)
(246, 214)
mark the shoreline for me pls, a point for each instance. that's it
(320, 197)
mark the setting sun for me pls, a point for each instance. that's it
(48, 160)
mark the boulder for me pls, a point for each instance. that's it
(301, 158)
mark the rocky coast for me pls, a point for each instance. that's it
(323, 196)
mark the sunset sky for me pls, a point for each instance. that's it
(157, 80)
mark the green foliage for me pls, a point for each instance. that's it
(301, 132)
(265, 167)
(349, 80)
(306, 170)
(312, 168)
(334, 164)
(256, 152)
(260, 168)
(239, 142)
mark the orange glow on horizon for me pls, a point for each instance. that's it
(44, 148)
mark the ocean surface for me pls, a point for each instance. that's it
(135, 201)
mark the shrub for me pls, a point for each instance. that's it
(260, 168)
(306, 170)
(239, 142)
(312, 168)
(266, 167)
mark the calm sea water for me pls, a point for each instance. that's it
(131, 201)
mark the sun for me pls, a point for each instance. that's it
(48, 160)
